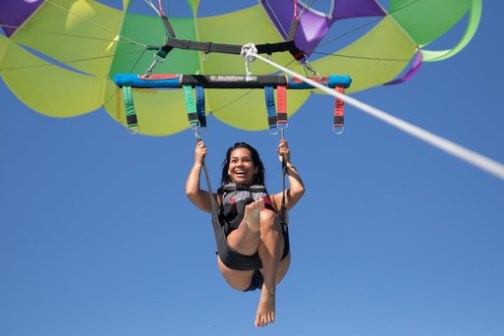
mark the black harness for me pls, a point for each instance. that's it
(228, 216)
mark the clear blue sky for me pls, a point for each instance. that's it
(392, 238)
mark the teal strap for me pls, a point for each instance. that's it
(131, 117)
(192, 116)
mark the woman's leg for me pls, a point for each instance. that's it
(270, 251)
(245, 240)
(259, 232)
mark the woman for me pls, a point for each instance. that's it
(259, 232)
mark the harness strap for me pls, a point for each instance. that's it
(283, 214)
(234, 49)
(192, 116)
(168, 27)
(282, 104)
(195, 109)
(277, 118)
(131, 117)
(209, 47)
(230, 187)
(200, 105)
(270, 107)
(339, 110)
(297, 53)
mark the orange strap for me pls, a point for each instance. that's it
(339, 109)
(282, 104)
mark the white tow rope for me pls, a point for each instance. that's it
(478, 160)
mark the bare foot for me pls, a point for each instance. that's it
(266, 308)
(252, 214)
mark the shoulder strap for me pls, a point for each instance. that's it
(282, 214)
(230, 187)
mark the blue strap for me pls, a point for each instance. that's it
(269, 96)
(200, 105)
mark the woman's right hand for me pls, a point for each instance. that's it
(283, 151)
(200, 152)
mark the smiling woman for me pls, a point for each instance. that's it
(254, 231)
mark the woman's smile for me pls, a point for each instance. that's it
(241, 167)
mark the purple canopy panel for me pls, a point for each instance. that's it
(14, 13)
(314, 25)
(344, 9)
(415, 66)
(312, 28)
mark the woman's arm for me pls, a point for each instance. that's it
(199, 197)
(296, 186)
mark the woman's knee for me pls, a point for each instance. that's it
(268, 221)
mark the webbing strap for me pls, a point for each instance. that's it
(297, 53)
(339, 109)
(200, 105)
(283, 214)
(131, 118)
(192, 115)
(168, 28)
(234, 49)
(209, 47)
(270, 107)
(282, 104)
(195, 109)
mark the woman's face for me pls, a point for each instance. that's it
(241, 167)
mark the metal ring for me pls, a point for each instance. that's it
(338, 129)
(274, 130)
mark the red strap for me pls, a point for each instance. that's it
(282, 104)
(339, 108)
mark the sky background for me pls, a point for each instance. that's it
(393, 237)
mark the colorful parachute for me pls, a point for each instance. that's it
(59, 56)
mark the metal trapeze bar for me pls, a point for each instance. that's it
(226, 81)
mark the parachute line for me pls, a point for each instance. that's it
(354, 30)
(296, 16)
(92, 38)
(151, 5)
(91, 22)
(70, 62)
(283, 32)
(347, 33)
(362, 57)
(478, 160)
(406, 5)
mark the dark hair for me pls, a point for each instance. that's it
(256, 160)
